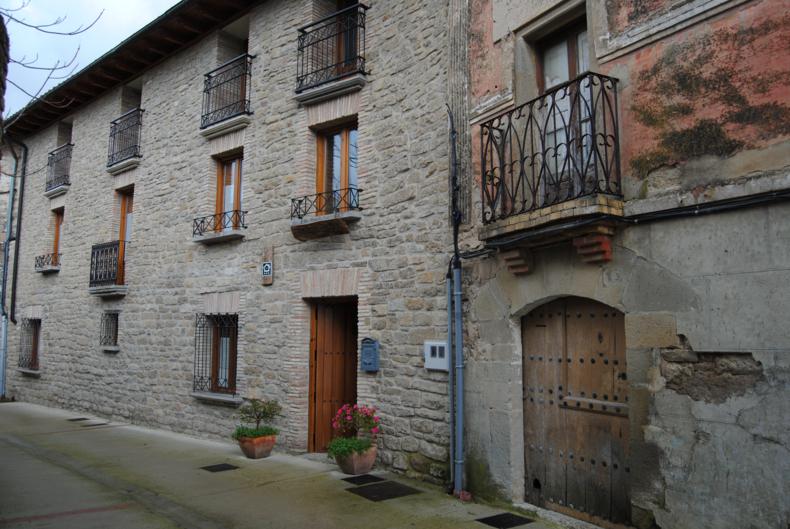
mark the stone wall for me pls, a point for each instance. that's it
(395, 256)
(704, 297)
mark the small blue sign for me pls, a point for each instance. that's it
(369, 361)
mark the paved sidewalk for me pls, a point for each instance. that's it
(94, 474)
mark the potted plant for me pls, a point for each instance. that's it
(257, 442)
(354, 444)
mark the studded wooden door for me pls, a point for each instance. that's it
(576, 410)
(333, 367)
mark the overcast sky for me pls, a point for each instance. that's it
(121, 18)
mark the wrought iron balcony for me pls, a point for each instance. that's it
(125, 137)
(226, 91)
(331, 48)
(558, 147)
(322, 214)
(48, 263)
(107, 264)
(219, 227)
(58, 167)
(328, 202)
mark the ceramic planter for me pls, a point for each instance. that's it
(257, 447)
(355, 464)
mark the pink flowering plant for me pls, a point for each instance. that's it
(356, 428)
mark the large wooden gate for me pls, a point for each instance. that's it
(333, 367)
(576, 410)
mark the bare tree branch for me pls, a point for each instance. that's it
(57, 21)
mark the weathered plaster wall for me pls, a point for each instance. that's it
(709, 445)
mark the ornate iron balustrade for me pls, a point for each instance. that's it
(125, 137)
(327, 202)
(108, 334)
(58, 166)
(107, 264)
(46, 261)
(216, 337)
(227, 220)
(226, 91)
(331, 48)
(560, 146)
(29, 337)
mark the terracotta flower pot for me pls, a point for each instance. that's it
(355, 463)
(257, 447)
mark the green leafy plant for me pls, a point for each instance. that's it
(257, 411)
(246, 431)
(345, 446)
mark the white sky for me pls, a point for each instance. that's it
(121, 18)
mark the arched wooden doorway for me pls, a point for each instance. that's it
(576, 409)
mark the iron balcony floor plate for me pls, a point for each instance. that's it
(506, 520)
(363, 479)
(221, 467)
(386, 490)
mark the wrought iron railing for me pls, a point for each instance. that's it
(216, 337)
(125, 137)
(29, 338)
(327, 202)
(557, 147)
(58, 166)
(47, 261)
(331, 48)
(226, 91)
(225, 221)
(108, 335)
(107, 264)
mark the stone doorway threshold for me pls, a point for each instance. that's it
(561, 519)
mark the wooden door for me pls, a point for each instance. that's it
(576, 410)
(56, 239)
(124, 233)
(333, 367)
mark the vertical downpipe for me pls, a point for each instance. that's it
(459, 380)
(450, 370)
(7, 240)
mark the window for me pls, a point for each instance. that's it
(126, 222)
(336, 170)
(30, 336)
(108, 336)
(228, 215)
(216, 337)
(58, 226)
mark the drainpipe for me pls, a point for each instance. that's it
(458, 341)
(18, 236)
(6, 242)
(450, 377)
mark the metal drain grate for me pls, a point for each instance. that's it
(386, 490)
(221, 467)
(363, 479)
(76, 419)
(506, 520)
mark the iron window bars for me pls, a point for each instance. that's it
(58, 166)
(108, 334)
(107, 264)
(47, 261)
(125, 137)
(216, 338)
(335, 201)
(331, 48)
(226, 91)
(29, 338)
(560, 146)
(225, 221)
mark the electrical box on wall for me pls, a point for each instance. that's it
(436, 356)
(369, 359)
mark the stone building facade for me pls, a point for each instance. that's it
(672, 273)
(387, 269)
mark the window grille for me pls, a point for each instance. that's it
(29, 343)
(216, 337)
(109, 329)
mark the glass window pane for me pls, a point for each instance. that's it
(352, 158)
